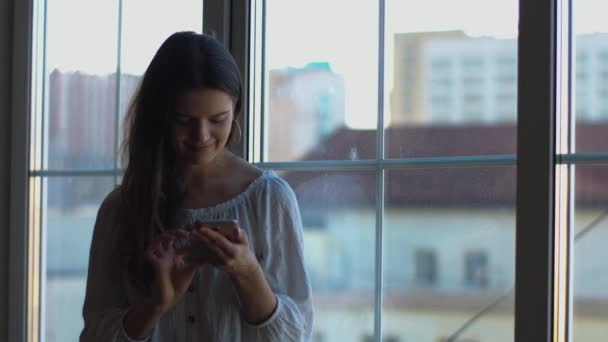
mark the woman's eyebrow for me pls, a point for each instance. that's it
(177, 112)
(221, 113)
(212, 115)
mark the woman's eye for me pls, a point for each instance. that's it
(181, 120)
(218, 120)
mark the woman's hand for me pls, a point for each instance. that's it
(173, 275)
(230, 254)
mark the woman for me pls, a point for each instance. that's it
(252, 284)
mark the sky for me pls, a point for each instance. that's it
(82, 34)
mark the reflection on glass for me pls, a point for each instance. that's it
(590, 269)
(339, 216)
(449, 253)
(590, 59)
(71, 209)
(451, 76)
(146, 25)
(321, 72)
(80, 62)
(81, 59)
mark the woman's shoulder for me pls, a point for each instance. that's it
(110, 203)
(112, 199)
(277, 190)
(267, 182)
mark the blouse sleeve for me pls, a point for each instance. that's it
(283, 265)
(105, 303)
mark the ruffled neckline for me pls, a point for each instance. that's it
(244, 195)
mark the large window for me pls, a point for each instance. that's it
(96, 51)
(405, 128)
(383, 117)
(589, 212)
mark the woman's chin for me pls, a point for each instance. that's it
(200, 159)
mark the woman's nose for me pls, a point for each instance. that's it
(202, 130)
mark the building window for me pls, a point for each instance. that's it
(506, 78)
(426, 267)
(440, 100)
(472, 63)
(472, 81)
(441, 64)
(507, 61)
(476, 269)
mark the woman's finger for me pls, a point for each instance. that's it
(221, 241)
(161, 247)
(149, 254)
(212, 247)
(157, 244)
(153, 255)
(240, 236)
(179, 233)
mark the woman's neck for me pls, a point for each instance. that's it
(200, 176)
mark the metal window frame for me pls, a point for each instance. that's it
(391, 163)
(228, 21)
(536, 162)
(380, 179)
(20, 159)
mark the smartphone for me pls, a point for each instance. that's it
(197, 253)
(224, 227)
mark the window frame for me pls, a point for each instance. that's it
(21, 103)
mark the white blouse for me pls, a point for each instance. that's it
(210, 311)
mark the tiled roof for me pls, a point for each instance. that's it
(492, 186)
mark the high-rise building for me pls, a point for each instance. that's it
(305, 105)
(450, 78)
(407, 105)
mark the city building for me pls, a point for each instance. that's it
(450, 78)
(448, 239)
(305, 105)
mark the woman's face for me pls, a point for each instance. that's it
(202, 121)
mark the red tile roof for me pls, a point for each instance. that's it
(491, 186)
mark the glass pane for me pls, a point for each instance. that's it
(321, 72)
(145, 27)
(590, 269)
(451, 78)
(339, 215)
(80, 101)
(449, 253)
(71, 208)
(590, 75)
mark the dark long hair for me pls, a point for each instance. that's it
(150, 190)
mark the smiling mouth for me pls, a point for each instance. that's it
(199, 147)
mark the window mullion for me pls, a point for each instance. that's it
(380, 178)
(117, 93)
(228, 21)
(535, 172)
(21, 111)
(564, 174)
